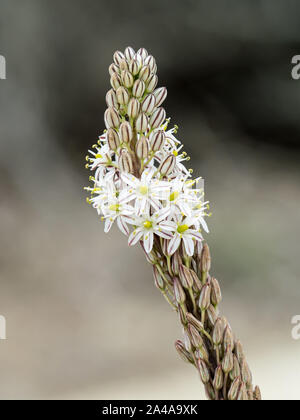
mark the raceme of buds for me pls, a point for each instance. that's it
(160, 95)
(125, 132)
(133, 108)
(148, 104)
(167, 166)
(157, 140)
(142, 148)
(125, 162)
(141, 123)
(111, 118)
(113, 139)
(157, 118)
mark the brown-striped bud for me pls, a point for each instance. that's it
(111, 99)
(151, 82)
(183, 353)
(205, 258)
(138, 88)
(245, 373)
(113, 68)
(113, 139)
(143, 53)
(129, 53)
(111, 118)
(139, 60)
(212, 314)
(142, 148)
(203, 370)
(197, 285)
(160, 95)
(235, 372)
(194, 321)
(150, 61)
(239, 351)
(133, 67)
(228, 341)
(125, 162)
(185, 277)
(216, 295)
(187, 341)
(127, 78)
(157, 140)
(158, 280)
(115, 81)
(257, 393)
(202, 353)
(204, 298)
(227, 362)
(148, 104)
(218, 378)
(145, 73)
(125, 132)
(234, 389)
(122, 95)
(218, 331)
(210, 392)
(141, 123)
(133, 108)
(123, 65)
(157, 118)
(242, 395)
(195, 337)
(175, 262)
(118, 57)
(167, 165)
(178, 291)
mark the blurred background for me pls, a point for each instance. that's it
(84, 319)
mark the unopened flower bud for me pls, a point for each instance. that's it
(257, 393)
(216, 295)
(157, 140)
(167, 165)
(148, 104)
(212, 314)
(113, 139)
(245, 372)
(160, 95)
(129, 53)
(228, 341)
(138, 88)
(111, 99)
(204, 298)
(150, 61)
(183, 353)
(185, 277)
(242, 395)
(115, 81)
(239, 351)
(227, 362)
(111, 118)
(145, 73)
(138, 58)
(125, 132)
(143, 53)
(218, 378)
(235, 372)
(123, 65)
(158, 280)
(133, 108)
(205, 259)
(127, 79)
(133, 67)
(113, 68)
(141, 123)
(178, 291)
(176, 262)
(234, 389)
(218, 332)
(118, 57)
(210, 392)
(122, 95)
(125, 162)
(151, 82)
(203, 370)
(195, 337)
(194, 321)
(187, 341)
(142, 148)
(157, 118)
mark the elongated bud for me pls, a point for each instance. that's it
(178, 291)
(195, 336)
(210, 392)
(218, 378)
(113, 139)
(151, 83)
(157, 140)
(227, 362)
(234, 389)
(145, 73)
(235, 372)
(257, 393)
(194, 321)
(129, 53)
(143, 53)
(204, 298)
(218, 332)
(239, 351)
(185, 277)
(167, 166)
(138, 88)
(203, 370)
(125, 132)
(183, 353)
(245, 373)
(123, 65)
(228, 341)
(242, 395)
(122, 95)
(141, 123)
(197, 285)
(186, 340)
(111, 118)
(138, 58)
(212, 314)
(127, 78)
(133, 108)
(175, 263)
(160, 95)
(115, 81)
(150, 61)
(216, 295)
(133, 67)
(157, 118)
(113, 68)
(118, 57)
(158, 280)
(111, 99)
(142, 148)
(148, 104)
(125, 162)
(205, 259)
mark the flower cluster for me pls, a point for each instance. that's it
(140, 181)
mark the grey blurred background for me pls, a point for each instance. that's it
(84, 319)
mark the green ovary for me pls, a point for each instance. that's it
(147, 224)
(182, 228)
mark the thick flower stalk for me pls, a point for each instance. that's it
(141, 183)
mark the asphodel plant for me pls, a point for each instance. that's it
(140, 182)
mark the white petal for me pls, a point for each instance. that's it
(168, 225)
(135, 236)
(148, 241)
(194, 234)
(108, 224)
(122, 225)
(129, 179)
(173, 244)
(189, 245)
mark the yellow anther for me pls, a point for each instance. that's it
(98, 156)
(173, 195)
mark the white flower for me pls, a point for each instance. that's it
(181, 228)
(114, 211)
(146, 226)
